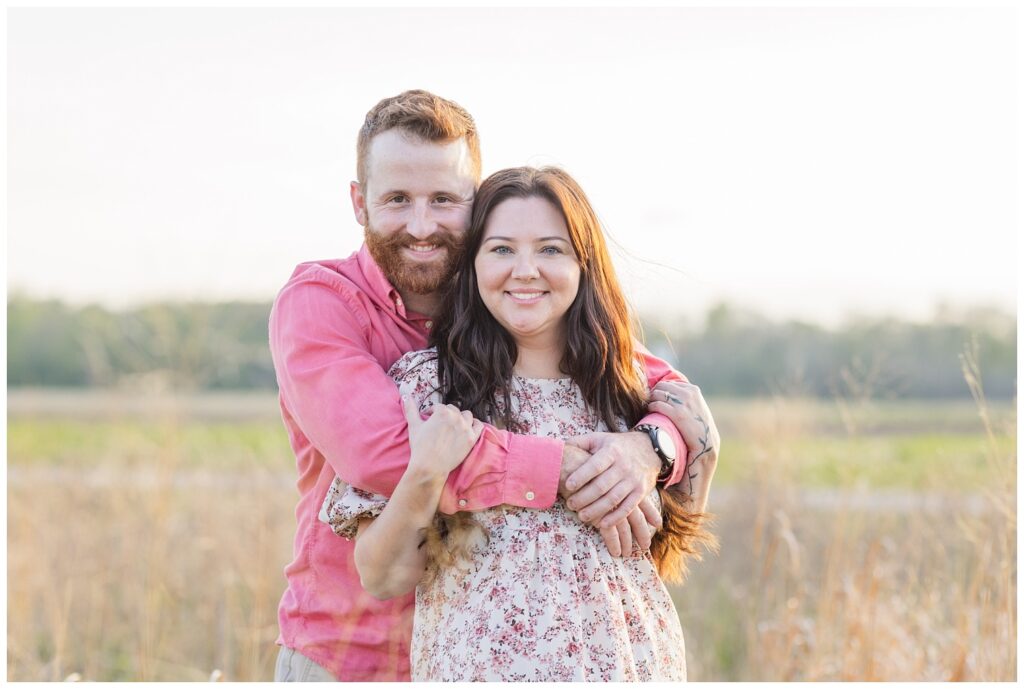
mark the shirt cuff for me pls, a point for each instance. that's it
(534, 467)
(682, 452)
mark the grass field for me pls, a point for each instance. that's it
(867, 541)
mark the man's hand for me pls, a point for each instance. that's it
(684, 404)
(619, 538)
(610, 485)
(572, 459)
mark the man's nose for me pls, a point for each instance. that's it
(421, 223)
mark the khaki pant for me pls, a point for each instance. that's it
(292, 666)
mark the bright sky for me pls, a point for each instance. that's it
(803, 162)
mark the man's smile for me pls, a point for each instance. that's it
(423, 252)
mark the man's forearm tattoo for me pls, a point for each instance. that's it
(691, 469)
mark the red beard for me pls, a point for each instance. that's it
(405, 275)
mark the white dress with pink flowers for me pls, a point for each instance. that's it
(543, 600)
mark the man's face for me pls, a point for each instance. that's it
(415, 207)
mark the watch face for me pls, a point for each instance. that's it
(667, 445)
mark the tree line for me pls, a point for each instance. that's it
(196, 346)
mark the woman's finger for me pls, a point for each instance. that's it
(611, 540)
(412, 413)
(651, 512)
(625, 538)
(640, 529)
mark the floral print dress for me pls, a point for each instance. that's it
(542, 600)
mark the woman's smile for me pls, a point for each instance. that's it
(526, 298)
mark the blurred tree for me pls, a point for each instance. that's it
(738, 352)
(42, 345)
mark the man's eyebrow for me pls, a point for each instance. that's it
(539, 239)
(454, 194)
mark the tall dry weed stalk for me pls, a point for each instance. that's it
(990, 604)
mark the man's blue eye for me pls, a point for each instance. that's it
(397, 198)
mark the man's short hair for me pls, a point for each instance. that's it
(421, 114)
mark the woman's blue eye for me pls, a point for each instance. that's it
(551, 250)
(502, 250)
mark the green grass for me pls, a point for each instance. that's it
(138, 443)
(846, 417)
(807, 453)
(955, 461)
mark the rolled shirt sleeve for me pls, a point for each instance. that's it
(341, 399)
(658, 370)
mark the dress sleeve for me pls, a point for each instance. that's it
(416, 376)
(345, 505)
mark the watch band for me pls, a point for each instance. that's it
(667, 462)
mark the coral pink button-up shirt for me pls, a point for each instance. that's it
(335, 329)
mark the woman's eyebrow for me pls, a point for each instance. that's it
(539, 239)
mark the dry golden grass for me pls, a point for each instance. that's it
(861, 588)
(141, 563)
(124, 576)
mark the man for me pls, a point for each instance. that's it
(336, 328)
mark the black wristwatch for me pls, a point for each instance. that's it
(664, 447)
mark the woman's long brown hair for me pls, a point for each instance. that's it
(476, 355)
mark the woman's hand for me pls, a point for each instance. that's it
(388, 555)
(684, 404)
(440, 443)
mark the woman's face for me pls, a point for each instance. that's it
(527, 270)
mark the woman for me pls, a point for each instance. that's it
(537, 340)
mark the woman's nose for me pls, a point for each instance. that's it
(525, 267)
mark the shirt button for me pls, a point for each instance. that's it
(529, 495)
(462, 503)
(429, 324)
